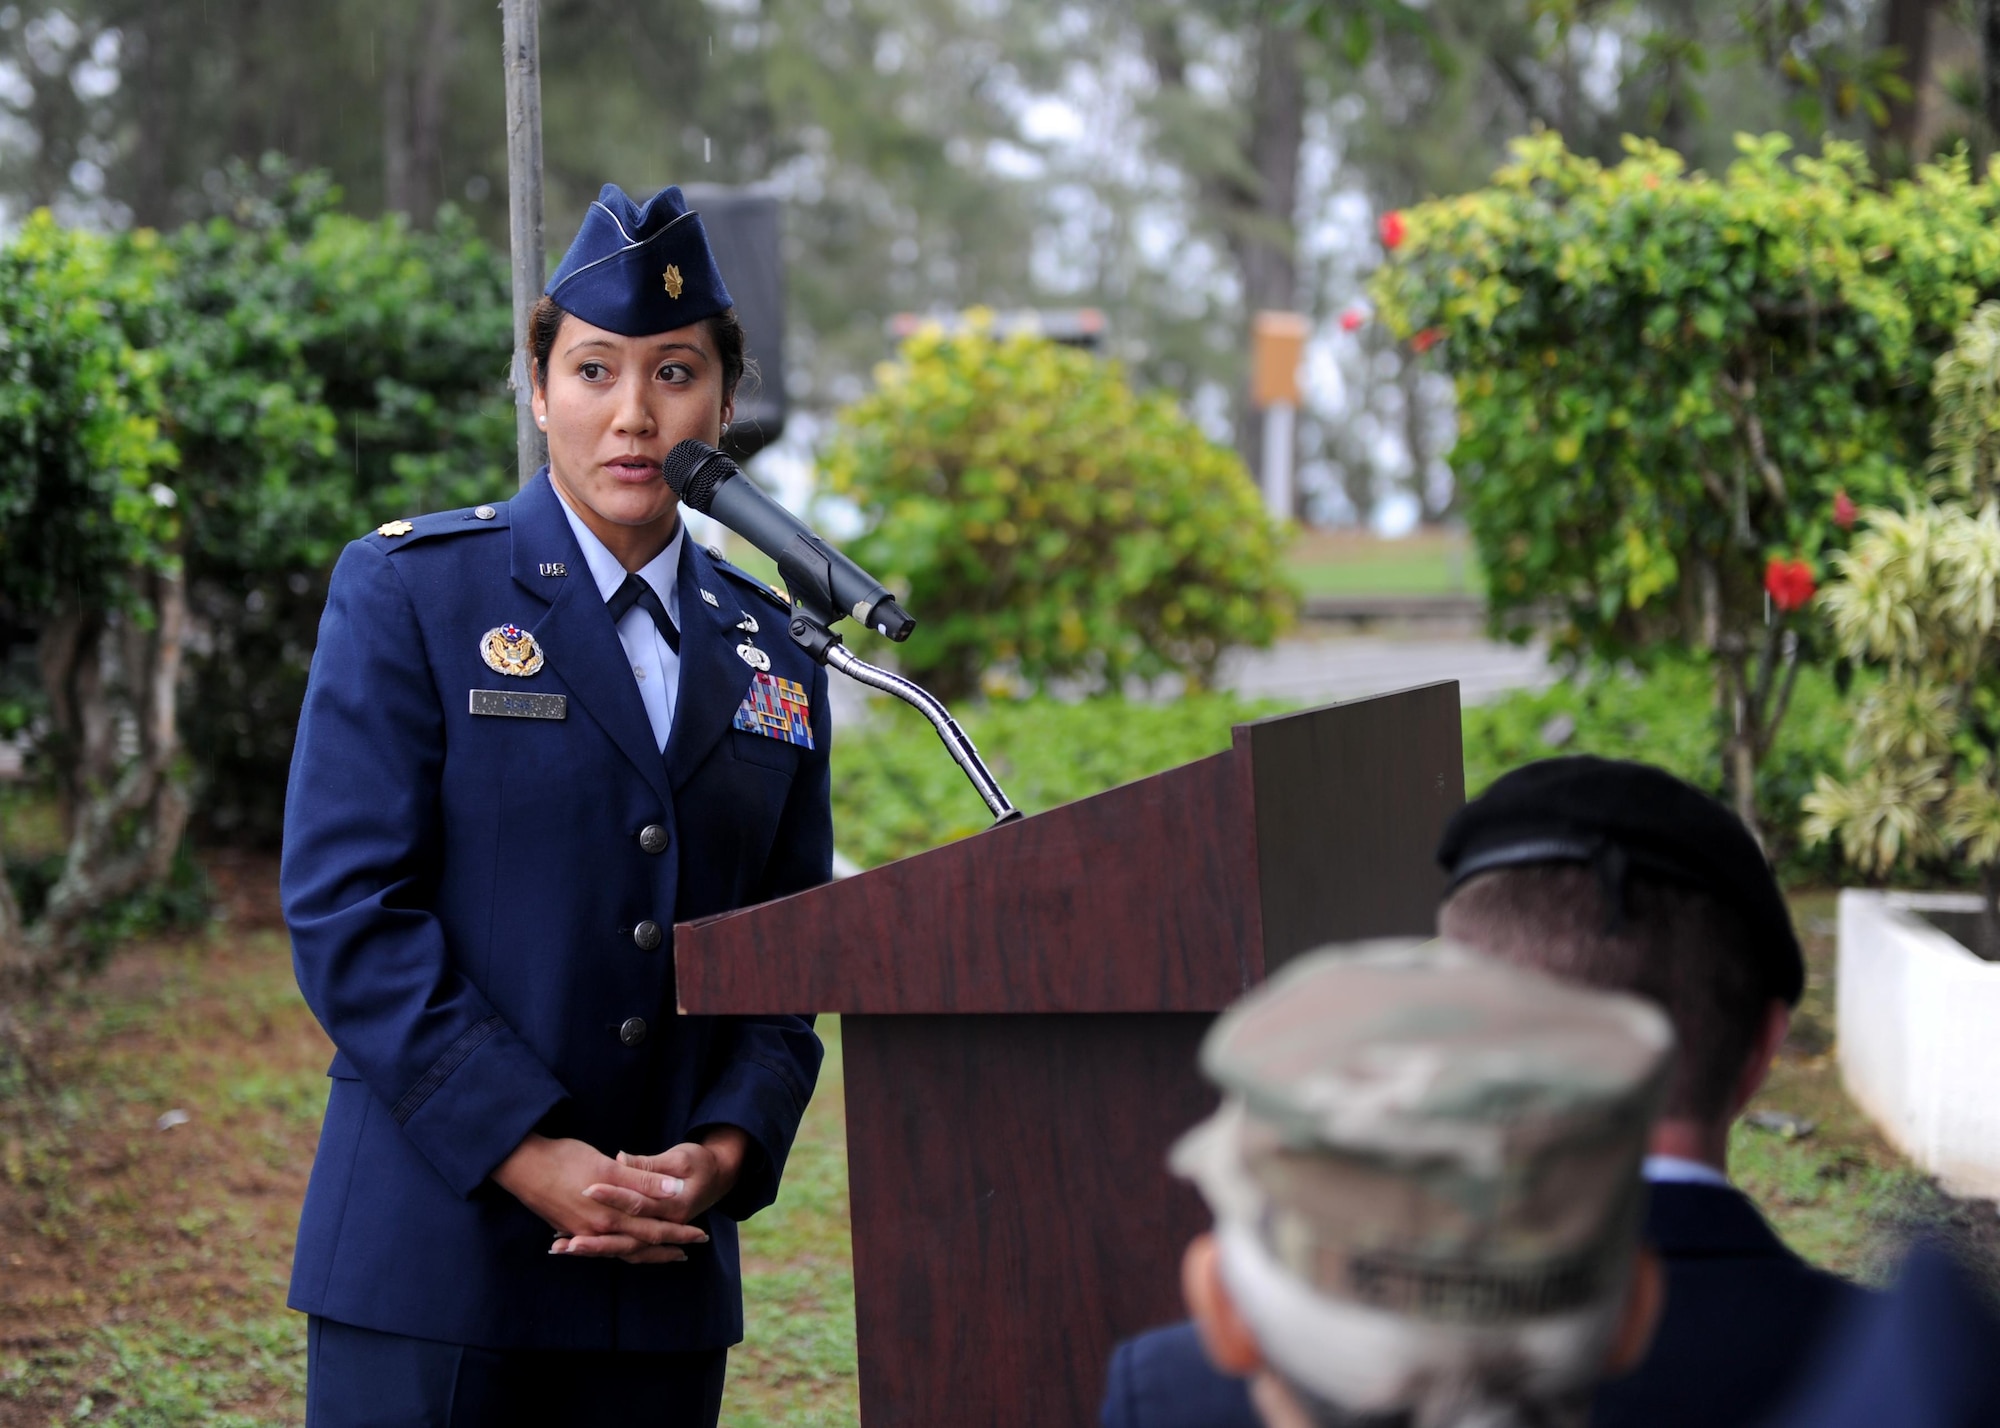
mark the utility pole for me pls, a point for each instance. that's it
(521, 42)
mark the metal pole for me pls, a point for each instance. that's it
(521, 44)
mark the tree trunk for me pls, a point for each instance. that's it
(396, 156)
(1263, 237)
(1253, 195)
(1739, 734)
(1907, 29)
(81, 737)
(1989, 69)
(415, 82)
(124, 824)
(1432, 508)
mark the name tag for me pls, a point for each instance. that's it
(509, 705)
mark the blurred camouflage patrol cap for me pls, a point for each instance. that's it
(1415, 1137)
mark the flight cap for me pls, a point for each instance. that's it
(640, 270)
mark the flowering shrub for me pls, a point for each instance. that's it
(1918, 596)
(1051, 522)
(1789, 583)
(1667, 378)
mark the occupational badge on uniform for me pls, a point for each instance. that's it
(510, 650)
(753, 656)
(394, 528)
(747, 623)
(776, 707)
(672, 277)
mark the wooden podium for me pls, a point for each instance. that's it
(1020, 1013)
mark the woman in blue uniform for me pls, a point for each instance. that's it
(537, 734)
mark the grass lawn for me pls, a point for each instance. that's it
(1354, 563)
(143, 1270)
(1322, 562)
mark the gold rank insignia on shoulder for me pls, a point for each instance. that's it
(394, 528)
(672, 277)
(510, 650)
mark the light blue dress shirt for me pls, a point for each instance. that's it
(655, 666)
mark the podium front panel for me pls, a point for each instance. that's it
(1013, 1215)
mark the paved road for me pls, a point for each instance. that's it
(1308, 670)
(1314, 670)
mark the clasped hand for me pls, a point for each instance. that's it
(636, 1207)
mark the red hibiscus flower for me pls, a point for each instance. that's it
(1844, 510)
(1789, 583)
(1392, 229)
(1350, 321)
(1427, 339)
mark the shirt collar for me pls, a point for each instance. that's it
(1677, 1170)
(660, 572)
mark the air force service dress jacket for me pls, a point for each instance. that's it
(481, 911)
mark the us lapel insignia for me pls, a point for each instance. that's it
(510, 650)
(554, 567)
(776, 708)
(753, 656)
(394, 528)
(711, 599)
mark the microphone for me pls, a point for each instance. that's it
(708, 481)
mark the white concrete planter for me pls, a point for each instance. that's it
(1920, 1035)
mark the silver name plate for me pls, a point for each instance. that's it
(509, 705)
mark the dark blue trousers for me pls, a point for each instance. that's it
(358, 1378)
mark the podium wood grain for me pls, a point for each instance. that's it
(1021, 1012)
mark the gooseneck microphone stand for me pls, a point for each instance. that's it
(808, 579)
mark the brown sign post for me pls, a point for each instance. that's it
(1020, 1013)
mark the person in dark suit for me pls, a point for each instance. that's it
(1386, 1251)
(1620, 876)
(1924, 1355)
(537, 734)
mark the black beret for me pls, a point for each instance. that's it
(1609, 812)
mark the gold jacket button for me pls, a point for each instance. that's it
(648, 936)
(632, 1031)
(653, 838)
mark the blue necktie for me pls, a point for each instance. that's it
(635, 591)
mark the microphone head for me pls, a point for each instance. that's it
(694, 469)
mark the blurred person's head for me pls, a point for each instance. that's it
(1425, 1181)
(633, 348)
(1620, 876)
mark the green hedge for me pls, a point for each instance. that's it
(1667, 717)
(896, 792)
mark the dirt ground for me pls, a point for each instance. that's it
(144, 1268)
